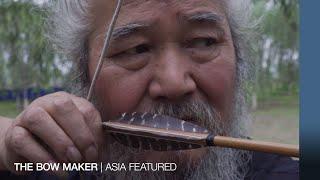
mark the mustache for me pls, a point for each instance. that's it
(195, 111)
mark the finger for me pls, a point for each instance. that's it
(41, 124)
(90, 113)
(68, 116)
(11, 158)
(26, 146)
(26, 149)
(93, 120)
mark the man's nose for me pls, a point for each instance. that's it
(172, 78)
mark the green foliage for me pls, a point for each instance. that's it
(25, 57)
(277, 49)
(8, 109)
(26, 60)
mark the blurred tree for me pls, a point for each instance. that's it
(23, 50)
(277, 49)
(26, 61)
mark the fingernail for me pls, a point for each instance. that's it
(73, 154)
(91, 154)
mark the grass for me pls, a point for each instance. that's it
(277, 122)
(8, 109)
(284, 101)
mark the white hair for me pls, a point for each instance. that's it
(69, 25)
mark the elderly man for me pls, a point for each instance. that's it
(185, 59)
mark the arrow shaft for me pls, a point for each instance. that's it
(201, 139)
(260, 146)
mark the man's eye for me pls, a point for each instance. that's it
(143, 48)
(201, 43)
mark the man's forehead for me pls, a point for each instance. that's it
(169, 2)
(137, 2)
(148, 10)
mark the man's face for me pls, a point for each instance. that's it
(167, 51)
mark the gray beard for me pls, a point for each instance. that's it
(217, 163)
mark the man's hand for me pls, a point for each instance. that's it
(59, 127)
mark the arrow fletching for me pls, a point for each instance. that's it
(147, 131)
(156, 132)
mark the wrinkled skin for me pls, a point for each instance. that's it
(170, 60)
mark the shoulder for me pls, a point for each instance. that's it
(273, 167)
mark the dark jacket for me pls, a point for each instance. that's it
(273, 167)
